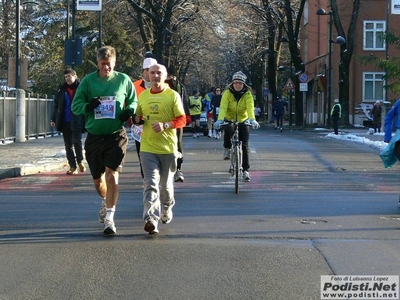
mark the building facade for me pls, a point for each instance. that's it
(366, 81)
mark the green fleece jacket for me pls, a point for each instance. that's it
(116, 93)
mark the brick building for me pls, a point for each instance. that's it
(365, 81)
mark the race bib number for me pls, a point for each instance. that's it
(106, 110)
(136, 132)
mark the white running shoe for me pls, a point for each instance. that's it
(227, 154)
(103, 211)
(194, 135)
(246, 176)
(178, 177)
(166, 214)
(109, 227)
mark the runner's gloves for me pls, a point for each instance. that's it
(92, 105)
(126, 114)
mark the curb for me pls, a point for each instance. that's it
(30, 170)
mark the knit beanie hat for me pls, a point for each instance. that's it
(239, 76)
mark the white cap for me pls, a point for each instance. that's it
(148, 62)
(336, 100)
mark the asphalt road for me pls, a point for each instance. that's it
(315, 206)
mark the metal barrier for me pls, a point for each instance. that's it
(23, 116)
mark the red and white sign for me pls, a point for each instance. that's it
(289, 85)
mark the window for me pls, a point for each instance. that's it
(374, 32)
(373, 87)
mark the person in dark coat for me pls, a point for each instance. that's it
(279, 112)
(336, 114)
(376, 114)
(69, 124)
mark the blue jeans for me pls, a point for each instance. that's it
(158, 183)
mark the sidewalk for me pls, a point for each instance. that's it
(48, 154)
(32, 157)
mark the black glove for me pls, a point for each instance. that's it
(92, 105)
(126, 114)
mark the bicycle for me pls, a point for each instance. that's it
(236, 152)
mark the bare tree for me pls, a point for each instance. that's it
(346, 52)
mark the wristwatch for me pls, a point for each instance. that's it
(166, 126)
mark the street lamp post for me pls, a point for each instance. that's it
(339, 40)
(17, 45)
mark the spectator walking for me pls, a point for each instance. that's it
(376, 114)
(279, 113)
(237, 104)
(69, 124)
(162, 110)
(107, 98)
(336, 114)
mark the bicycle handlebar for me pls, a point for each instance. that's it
(245, 123)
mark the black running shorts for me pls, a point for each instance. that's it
(106, 151)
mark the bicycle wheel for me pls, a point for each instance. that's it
(236, 168)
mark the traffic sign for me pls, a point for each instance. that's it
(289, 85)
(303, 87)
(303, 77)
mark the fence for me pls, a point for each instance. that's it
(26, 115)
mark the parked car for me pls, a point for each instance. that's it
(203, 123)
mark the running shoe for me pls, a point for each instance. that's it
(246, 176)
(109, 227)
(178, 177)
(82, 167)
(227, 154)
(72, 171)
(166, 214)
(151, 227)
(102, 211)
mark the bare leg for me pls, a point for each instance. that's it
(101, 187)
(111, 178)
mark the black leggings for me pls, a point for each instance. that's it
(179, 134)
(244, 135)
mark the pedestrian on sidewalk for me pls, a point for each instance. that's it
(279, 112)
(70, 125)
(107, 99)
(336, 114)
(161, 108)
(376, 113)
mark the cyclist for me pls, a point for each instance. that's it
(237, 104)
